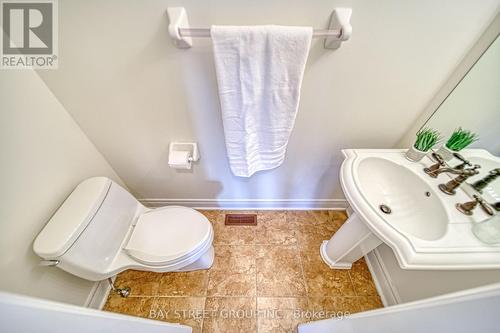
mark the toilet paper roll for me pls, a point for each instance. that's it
(179, 160)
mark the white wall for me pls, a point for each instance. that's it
(44, 155)
(132, 92)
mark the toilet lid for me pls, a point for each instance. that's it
(168, 234)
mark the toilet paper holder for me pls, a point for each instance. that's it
(182, 154)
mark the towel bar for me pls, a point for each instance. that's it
(205, 32)
(339, 30)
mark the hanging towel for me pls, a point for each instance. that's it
(259, 73)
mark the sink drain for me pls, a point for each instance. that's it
(385, 209)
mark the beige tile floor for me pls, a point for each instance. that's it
(265, 278)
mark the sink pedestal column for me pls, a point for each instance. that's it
(351, 242)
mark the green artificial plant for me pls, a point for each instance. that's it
(426, 139)
(460, 139)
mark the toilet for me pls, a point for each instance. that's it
(101, 230)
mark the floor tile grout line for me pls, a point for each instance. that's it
(301, 263)
(264, 296)
(263, 244)
(255, 279)
(206, 295)
(352, 283)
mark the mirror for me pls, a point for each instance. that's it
(474, 104)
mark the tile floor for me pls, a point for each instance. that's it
(265, 278)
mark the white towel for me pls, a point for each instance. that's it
(259, 74)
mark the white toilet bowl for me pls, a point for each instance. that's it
(101, 230)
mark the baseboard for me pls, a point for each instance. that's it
(98, 295)
(388, 293)
(240, 204)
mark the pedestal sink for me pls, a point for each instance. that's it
(395, 202)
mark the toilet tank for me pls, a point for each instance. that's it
(87, 231)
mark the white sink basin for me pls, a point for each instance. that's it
(424, 228)
(414, 206)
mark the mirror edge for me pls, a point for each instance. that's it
(466, 64)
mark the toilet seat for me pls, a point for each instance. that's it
(169, 235)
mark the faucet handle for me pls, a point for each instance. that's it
(460, 157)
(468, 207)
(475, 167)
(464, 161)
(484, 205)
(472, 171)
(438, 158)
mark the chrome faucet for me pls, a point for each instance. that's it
(468, 207)
(431, 171)
(449, 187)
(441, 166)
(453, 171)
